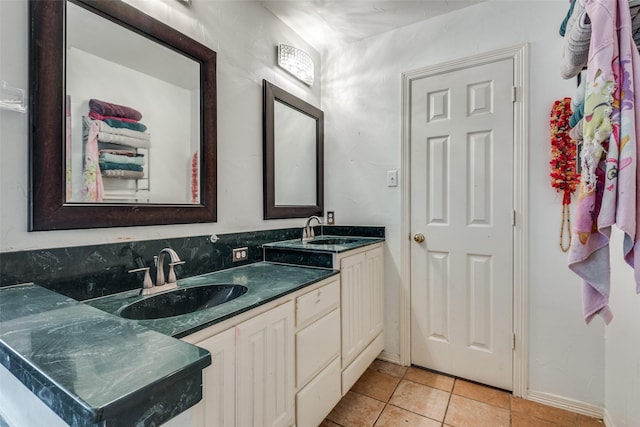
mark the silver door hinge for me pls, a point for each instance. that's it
(513, 218)
(514, 92)
(513, 342)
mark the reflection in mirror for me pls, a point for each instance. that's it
(133, 111)
(123, 119)
(293, 156)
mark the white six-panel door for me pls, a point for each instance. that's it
(462, 202)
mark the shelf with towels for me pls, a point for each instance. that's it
(116, 188)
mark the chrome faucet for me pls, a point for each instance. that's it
(148, 287)
(307, 231)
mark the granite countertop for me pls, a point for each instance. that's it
(89, 366)
(265, 282)
(353, 242)
(298, 252)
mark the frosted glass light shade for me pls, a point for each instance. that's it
(297, 62)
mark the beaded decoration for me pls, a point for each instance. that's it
(564, 174)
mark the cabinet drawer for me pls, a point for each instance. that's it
(316, 345)
(317, 399)
(314, 304)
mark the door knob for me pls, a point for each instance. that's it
(418, 237)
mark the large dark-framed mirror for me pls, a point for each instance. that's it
(191, 115)
(293, 134)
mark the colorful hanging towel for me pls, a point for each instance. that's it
(608, 190)
(628, 145)
(92, 188)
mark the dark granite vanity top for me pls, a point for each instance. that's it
(353, 242)
(265, 282)
(89, 366)
(316, 254)
(93, 367)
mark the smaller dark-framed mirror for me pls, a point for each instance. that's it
(293, 134)
(108, 58)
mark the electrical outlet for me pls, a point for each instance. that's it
(331, 218)
(240, 254)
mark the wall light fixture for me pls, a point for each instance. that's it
(297, 62)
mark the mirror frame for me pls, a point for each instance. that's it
(273, 93)
(48, 209)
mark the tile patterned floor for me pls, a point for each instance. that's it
(389, 395)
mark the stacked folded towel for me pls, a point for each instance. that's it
(119, 126)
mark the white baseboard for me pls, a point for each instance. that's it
(607, 419)
(568, 404)
(390, 357)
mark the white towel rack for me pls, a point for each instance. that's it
(11, 98)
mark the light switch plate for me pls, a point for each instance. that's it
(392, 178)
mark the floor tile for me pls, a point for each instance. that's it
(482, 393)
(585, 421)
(463, 412)
(523, 420)
(432, 379)
(388, 368)
(328, 423)
(376, 384)
(421, 399)
(544, 412)
(356, 410)
(392, 416)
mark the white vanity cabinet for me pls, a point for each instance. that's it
(318, 380)
(217, 407)
(290, 361)
(362, 299)
(250, 381)
(265, 369)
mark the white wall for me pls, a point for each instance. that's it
(361, 100)
(245, 36)
(622, 343)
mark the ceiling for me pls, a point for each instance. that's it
(330, 23)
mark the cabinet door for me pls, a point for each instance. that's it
(362, 299)
(374, 292)
(217, 407)
(354, 329)
(266, 369)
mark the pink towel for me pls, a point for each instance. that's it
(608, 189)
(92, 187)
(628, 209)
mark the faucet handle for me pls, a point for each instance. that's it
(172, 274)
(146, 283)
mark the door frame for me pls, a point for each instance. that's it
(519, 54)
